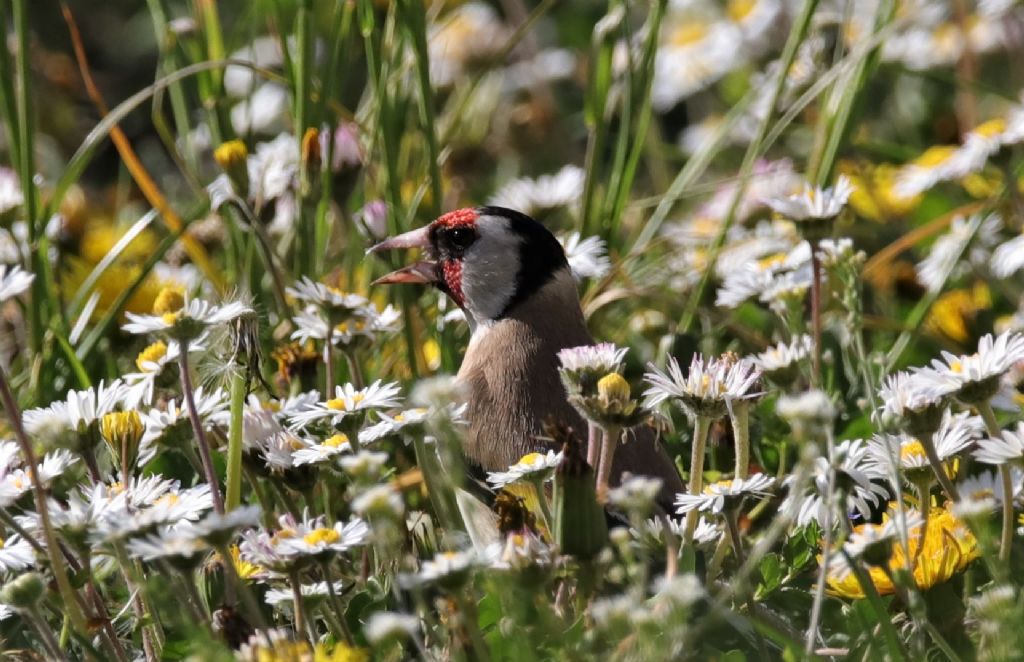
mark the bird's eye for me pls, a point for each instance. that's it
(461, 238)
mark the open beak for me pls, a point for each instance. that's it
(423, 271)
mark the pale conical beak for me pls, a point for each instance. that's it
(423, 271)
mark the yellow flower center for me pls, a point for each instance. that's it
(168, 499)
(321, 535)
(341, 404)
(740, 9)
(122, 426)
(688, 33)
(771, 261)
(170, 318)
(531, 459)
(230, 154)
(170, 299)
(956, 366)
(990, 128)
(722, 485)
(151, 354)
(913, 451)
(934, 156)
(336, 440)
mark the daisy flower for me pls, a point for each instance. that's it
(311, 593)
(296, 541)
(365, 322)
(365, 465)
(706, 533)
(636, 494)
(780, 363)
(328, 298)
(13, 281)
(447, 569)
(532, 467)
(468, 34)
(588, 258)
(15, 480)
(11, 196)
(975, 378)
(814, 203)
(180, 547)
(936, 164)
(16, 553)
(1007, 447)
(905, 394)
(151, 361)
(171, 425)
(518, 551)
(379, 501)
(218, 529)
(77, 412)
(323, 451)
(193, 317)
(716, 497)
(588, 363)
(982, 494)
(348, 400)
(854, 465)
(410, 421)
(708, 387)
(384, 626)
(956, 433)
(536, 196)
(967, 237)
(696, 50)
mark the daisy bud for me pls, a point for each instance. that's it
(231, 157)
(613, 388)
(151, 356)
(123, 430)
(580, 526)
(807, 413)
(24, 591)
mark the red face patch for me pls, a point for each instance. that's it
(452, 271)
(466, 216)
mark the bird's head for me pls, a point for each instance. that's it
(487, 259)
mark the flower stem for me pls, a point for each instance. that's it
(700, 439)
(197, 428)
(545, 508)
(609, 444)
(297, 606)
(816, 312)
(329, 357)
(1006, 540)
(731, 517)
(234, 471)
(826, 551)
(928, 441)
(339, 609)
(68, 595)
(593, 444)
(739, 414)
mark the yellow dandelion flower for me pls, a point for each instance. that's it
(99, 239)
(945, 549)
(340, 653)
(954, 312)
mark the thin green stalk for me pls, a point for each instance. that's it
(739, 416)
(197, 427)
(928, 441)
(700, 439)
(826, 549)
(339, 608)
(1006, 479)
(609, 444)
(233, 490)
(414, 12)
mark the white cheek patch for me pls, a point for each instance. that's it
(490, 269)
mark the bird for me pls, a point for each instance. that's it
(510, 276)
